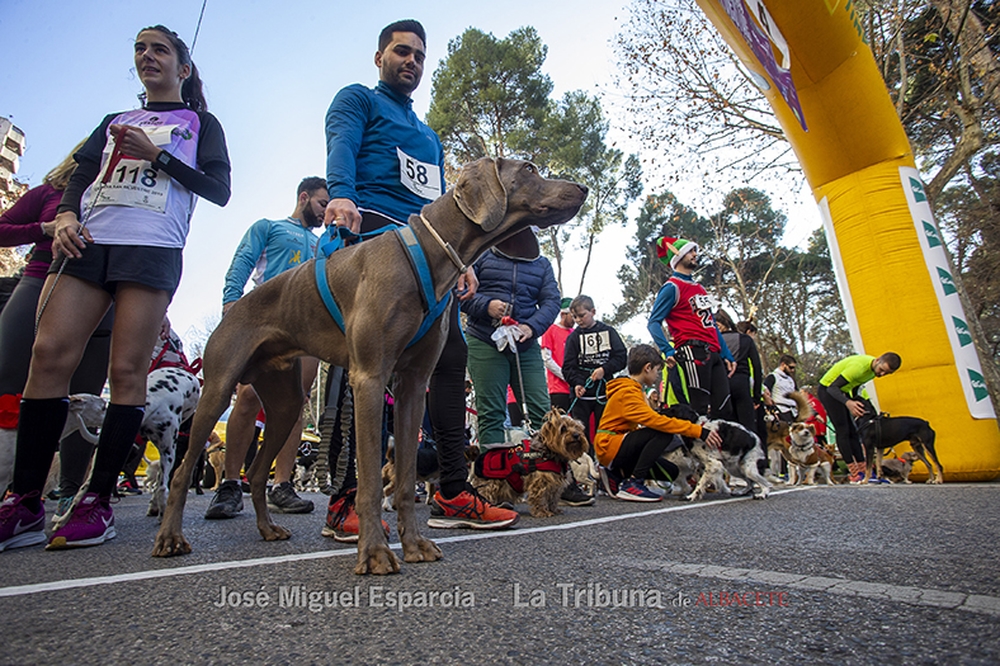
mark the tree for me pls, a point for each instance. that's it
(747, 233)
(489, 97)
(939, 62)
(688, 93)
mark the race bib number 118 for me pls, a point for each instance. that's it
(134, 182)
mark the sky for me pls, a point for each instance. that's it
(270, 71)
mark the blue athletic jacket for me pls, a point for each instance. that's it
(268, 248)
(379, 154)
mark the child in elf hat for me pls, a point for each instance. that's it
(632, 436)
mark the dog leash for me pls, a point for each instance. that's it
(597, 393)
(510, 321)
(116, 157)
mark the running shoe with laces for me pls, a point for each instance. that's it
(19, 526)
(282, 498)
(609, 481)
(227, 501)
(469, 509)
(634, 490)
(92, 522)
(342, 520)
(574, 495)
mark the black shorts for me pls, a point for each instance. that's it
(107, 265)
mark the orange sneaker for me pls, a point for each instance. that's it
(470, 510)
(342, 519)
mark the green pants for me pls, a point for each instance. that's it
(491, 372)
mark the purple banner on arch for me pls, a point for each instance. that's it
(761, 46)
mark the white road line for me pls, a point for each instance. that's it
(74, 583)
(976, 603)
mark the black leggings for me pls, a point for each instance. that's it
(446, 403)
(639, 456)
(743, 404)
(848, 441)
(707, 381)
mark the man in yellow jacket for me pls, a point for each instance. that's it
(632, 436)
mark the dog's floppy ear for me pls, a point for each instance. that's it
(480, 195)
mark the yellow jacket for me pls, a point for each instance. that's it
(626, 410)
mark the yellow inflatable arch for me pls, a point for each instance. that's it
(825, 88)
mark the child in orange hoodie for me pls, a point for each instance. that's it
(632, 436)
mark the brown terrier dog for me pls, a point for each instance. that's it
(381, 298)
(536, 469)
(805, 456)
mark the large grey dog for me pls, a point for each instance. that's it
(262, 336)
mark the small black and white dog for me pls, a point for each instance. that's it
(739, 454)
(881, 431)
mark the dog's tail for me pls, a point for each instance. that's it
(803, 405)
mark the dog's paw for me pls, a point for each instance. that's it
(273, 532)
(377, 559)
(168, 545)
(421, 549)
(762, 494)
(693, 497)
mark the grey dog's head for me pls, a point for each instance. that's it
(508, 197)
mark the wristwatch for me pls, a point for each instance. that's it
(163, 159)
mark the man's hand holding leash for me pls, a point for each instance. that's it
(343, 213)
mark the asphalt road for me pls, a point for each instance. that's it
(838, 575)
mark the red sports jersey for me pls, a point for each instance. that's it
(691, 317)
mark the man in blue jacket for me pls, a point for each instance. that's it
(268, 248)
(383, 165)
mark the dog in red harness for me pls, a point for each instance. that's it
(535, 469)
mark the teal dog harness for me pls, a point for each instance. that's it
(338, 237)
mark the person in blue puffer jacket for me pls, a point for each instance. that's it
(525, 290)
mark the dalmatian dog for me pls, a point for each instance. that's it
(171, 397)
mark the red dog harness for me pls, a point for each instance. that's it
(513, 463)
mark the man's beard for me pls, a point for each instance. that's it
(311, 219)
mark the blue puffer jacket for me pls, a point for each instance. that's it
(530, 285)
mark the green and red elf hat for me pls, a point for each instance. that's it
(670, 250)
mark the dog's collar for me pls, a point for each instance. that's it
(448, 249)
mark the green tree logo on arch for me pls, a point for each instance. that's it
(962, 330)
(933, 240)
(947, 282)
(978, 385)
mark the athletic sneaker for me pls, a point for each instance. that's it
(574, 495)
(634, 490)
(609, 481)
(468, 509)
(227, 502)
(91, 523)
(282, 498)
(63, 506)
(20, 527)
(874, 480)
(342, 520)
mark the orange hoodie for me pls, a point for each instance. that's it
(626, 410)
